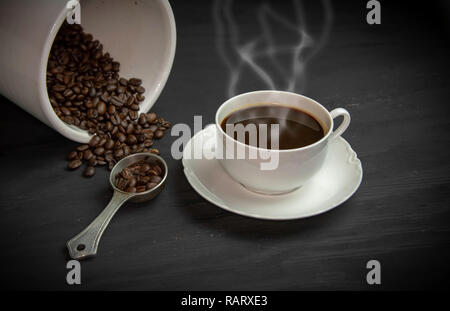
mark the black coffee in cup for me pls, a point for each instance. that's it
(297, 128)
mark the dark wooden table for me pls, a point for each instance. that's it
(393, 78)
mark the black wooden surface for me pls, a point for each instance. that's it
(393, 78)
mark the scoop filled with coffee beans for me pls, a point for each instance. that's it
(86, 91)
(139, 177)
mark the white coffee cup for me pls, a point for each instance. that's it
(294, 167)
(141, 35)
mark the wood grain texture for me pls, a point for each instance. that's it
(393, 79)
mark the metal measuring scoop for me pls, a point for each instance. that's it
(85, 244)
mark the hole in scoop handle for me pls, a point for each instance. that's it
(85, 244)
(345, 122)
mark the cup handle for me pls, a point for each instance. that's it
(345, 122)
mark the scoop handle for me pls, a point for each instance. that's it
(85, 244)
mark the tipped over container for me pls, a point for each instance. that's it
(140, 34)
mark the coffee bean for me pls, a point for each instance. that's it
(115, 66)
(68, 93)
(109, 144)
(99, 150)
(101, 108)
(140, 138)
(102, 141)
(135, 81)
(148, 132)
(121, 183)
(116, 101)
(121, 137)
(118, 153)
(114, 130)
(65, 111)
(131, 189)
(120, 90)
(93, 161)
(122, 98)
(68, 119)
(94, 141)
(111, 109)
(126, 173)
(107, 67)
(111, 87)
(131, 139)
(92, 92)
(124, 122)
(115, 119)
(145, 167)
(59, 97)
(152, 172)
(142, 180)
(58, 87)
(140, 97)
(158, 169)
(130, 128)
(132, 182)
(72, 155)
(98, 54)
(155, 179)
(82, 147)
(89, 171)
(141, 189)
(151, 117)
(87, 155)
(130, 101)
(140, 89)
(133, 115)
(92, 113)
(74, 164)
(142, 119)
(159, 134)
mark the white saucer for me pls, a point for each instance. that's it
(338, 179)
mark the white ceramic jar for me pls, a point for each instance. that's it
(140, 34)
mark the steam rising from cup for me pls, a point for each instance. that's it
(257, 53)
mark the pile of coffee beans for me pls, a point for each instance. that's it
(139, 177)
(86, 91)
